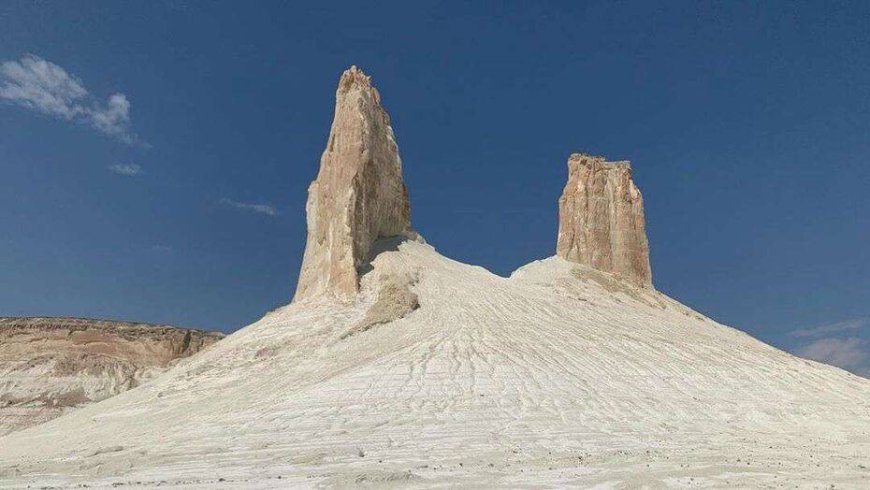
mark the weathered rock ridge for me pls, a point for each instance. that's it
(358, 195)
(601, 219)
(49, 366)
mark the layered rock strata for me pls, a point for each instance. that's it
(49, 366)
(601, 219)
(358, 195)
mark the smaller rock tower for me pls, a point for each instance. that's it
(601, 220)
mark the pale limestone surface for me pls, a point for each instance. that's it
(358, 196)
(601, 220)
(552, 378)
(49, 366)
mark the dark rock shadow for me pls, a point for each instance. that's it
(384, 244)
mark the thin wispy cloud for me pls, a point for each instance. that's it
(45, 87)
(844, 344)
(851, 354)
(266, 209)
(128, 169)
(844, 326)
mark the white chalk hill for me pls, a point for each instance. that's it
(558, 375)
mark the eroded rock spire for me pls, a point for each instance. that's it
(358, 196)
(601, 220)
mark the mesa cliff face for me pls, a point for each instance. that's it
(49, 366)
(358, 196)
(601, 219)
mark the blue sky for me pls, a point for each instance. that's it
(155, 155)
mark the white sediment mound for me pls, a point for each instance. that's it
(557, 376)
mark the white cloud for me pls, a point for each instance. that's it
(852, 354)
(114, 119)
(831, 328)
(128, 169)
(45, 87)
(255, 208)
(42, 86)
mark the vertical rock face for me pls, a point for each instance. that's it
(601, 220)
(358, 196)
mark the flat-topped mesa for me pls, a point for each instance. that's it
(358, 196)
(601, 220)
(51, 366)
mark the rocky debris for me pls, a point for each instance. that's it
(49, 366)
(395, 299)
(601, 219)
(358, 196)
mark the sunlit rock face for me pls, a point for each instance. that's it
(50, 366)
(358, 196)
(601, 220)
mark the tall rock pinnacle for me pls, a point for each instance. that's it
(601, 221)
(358, 196)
